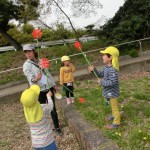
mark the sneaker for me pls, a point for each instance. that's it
(68, 101)
(58, 131)
(112, 126)
(72, 99)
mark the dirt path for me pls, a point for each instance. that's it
(14, 131)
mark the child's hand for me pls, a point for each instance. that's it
(49, 94)
(38, 77)
(90, 68)
(56, 88)
(98, 81)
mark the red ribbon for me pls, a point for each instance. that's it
(36, 33)
(44, 63)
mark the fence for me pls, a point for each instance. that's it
(141, 48)
(52, 43)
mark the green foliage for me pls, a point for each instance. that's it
(24, 35)
(27, 28)
(20, 10)
(3, 42)
(130, 22)
(18, 35)
(8, 11)
(133, 53)
(47, 35)
(89, 29)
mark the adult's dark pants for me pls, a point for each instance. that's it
(43, 100)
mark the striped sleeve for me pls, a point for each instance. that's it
(100, 74)
(112, 79)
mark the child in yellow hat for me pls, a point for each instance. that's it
(109, 82)
(66, 78)
(37, 116)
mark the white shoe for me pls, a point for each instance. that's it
(72, 99)
(68, 101)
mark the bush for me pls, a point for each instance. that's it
(133, 53)
(27, 28)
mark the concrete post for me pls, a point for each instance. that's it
(140, 48)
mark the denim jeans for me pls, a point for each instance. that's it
(52, 146)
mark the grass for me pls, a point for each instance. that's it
(134, 132)
(14, 59)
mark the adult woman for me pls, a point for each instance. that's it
(35, 75)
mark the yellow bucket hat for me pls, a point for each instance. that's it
(114, 52)
(36, 88)
(32, 108)
(65, 58)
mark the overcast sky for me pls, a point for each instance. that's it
(110, 7)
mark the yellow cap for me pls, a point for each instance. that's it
(65, 58)
(29, 98)
(114, 52)
(32, 108)
(36, 88)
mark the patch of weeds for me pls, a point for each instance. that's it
(145, 109)
(5, 144)
(141, 96)
(77, 83)
(137, 138)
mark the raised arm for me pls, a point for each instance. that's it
(92, 69)
(72, 67)
(100, 74)
(49, 105)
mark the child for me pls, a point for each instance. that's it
(109, 82)
(66, 78)
(37, 117)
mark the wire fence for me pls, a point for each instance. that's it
(141, 45)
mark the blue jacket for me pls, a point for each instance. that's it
(109, 81)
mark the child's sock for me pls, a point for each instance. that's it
(72, 99)
(68, 101)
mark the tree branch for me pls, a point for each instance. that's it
(76, 33)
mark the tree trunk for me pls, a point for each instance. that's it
(12, 41)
